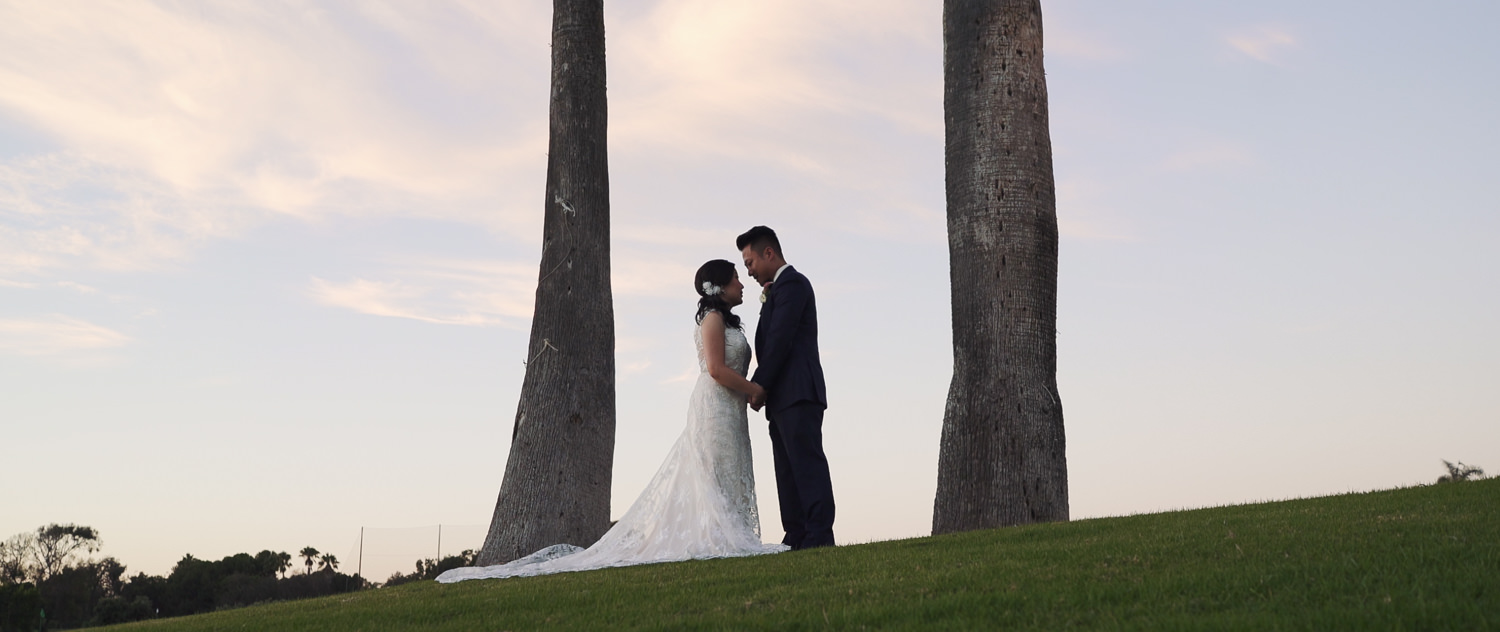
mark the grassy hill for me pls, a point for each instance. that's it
(1423, 558)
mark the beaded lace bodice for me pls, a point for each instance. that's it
(736, 351)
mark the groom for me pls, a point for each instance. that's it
(786, 341)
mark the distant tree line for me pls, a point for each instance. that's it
(48, 581)
(430, 568)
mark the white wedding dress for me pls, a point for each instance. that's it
(700, 504)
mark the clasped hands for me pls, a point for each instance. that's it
(757, 397)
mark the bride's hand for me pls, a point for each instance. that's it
(757, 396)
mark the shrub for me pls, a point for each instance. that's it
(20, 608)
(112, 610)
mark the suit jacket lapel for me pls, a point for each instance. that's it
(766, 309)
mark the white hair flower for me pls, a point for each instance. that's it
(709, 289)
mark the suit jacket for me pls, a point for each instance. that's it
(786, 341)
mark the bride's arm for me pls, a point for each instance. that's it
(713, 353)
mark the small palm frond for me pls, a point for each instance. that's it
(1460, 472)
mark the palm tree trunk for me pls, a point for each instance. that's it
(557, 480)
(1002, 459)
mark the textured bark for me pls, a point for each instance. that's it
(1002, 460)
(557, 479)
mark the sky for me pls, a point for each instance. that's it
(267, 269)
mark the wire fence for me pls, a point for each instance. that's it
(379, 552)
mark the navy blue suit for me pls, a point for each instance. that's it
(786, 342)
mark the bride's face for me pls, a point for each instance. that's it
(734, 293)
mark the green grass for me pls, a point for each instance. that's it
(1423, 558)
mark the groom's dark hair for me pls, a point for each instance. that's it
(760, 237)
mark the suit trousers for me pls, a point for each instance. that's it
(802, 482)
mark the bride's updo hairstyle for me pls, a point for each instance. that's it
(710, 282)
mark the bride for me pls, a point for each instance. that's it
(701, 503)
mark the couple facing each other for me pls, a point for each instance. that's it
(701, 502)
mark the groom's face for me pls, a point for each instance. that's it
(759, 264)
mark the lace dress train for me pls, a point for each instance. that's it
(701, 503)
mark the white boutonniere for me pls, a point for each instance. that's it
(765, 292)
